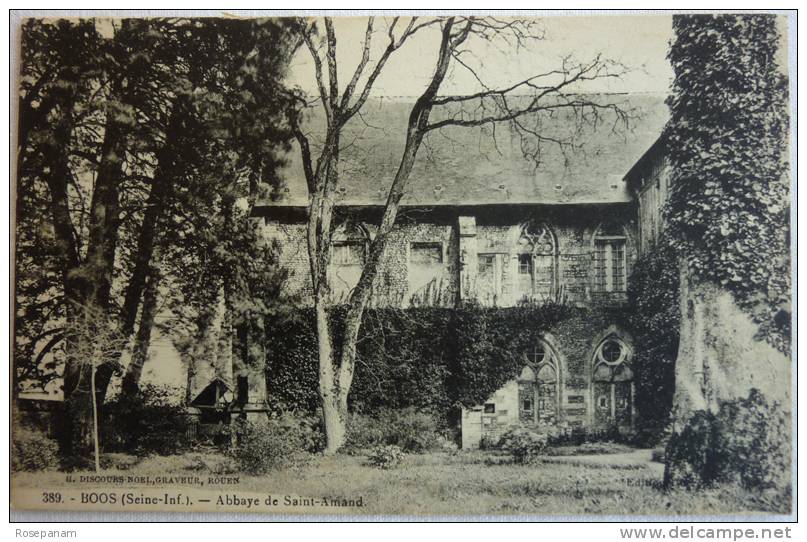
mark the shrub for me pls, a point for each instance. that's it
(409, 429)
(746, 442)
(214, 463)
(119, 461)
(363, 432)
(564, 435)
(273, 443)
(386, 457)
(488, 442)
(523, 444)
(33, 451)
(149, 421)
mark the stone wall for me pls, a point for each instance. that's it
(481, 251)
(651, 179)
(495, 256)
(574, 343)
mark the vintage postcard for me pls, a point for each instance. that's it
(460, 266)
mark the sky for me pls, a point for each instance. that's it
(638, 42)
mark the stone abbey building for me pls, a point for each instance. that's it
(481, 223)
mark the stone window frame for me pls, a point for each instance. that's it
(342, 255)
(526, 232)
(486, 263)
(349, 234)
(525, 266)
(413, 245)
(612, 335)
(607, 278)
(553, 359)
(626, 353)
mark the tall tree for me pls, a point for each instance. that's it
(522, 105)
(239, 145)
(130, 146)
(729, 212)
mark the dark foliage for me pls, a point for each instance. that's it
(745, 442)
(653, 291)
(433, 359)
(274, 443)
(523, 444)
(728, 208)
(136, 139)
(408, 429)
(143, 423)
(32, 450)
(385, 457)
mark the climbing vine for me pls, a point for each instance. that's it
(431, 358)
(729, 205)
(655, 316)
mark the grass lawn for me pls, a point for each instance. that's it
(468, 483)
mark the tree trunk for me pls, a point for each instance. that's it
(131, 380)
(75, 420)
(334, 407)
(336, 369)
(721, 360)
(75, 415)
(98, 267)
(145, 250)
(720, 357)
(158, 199)
(96, 445)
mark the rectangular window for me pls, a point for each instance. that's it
(243, 390)
(348, 253)
(609, 265)
(525, 264)
(426, 253)
(490, 408)
(486, 263)
(618, 266)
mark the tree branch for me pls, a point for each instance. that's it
(323, 93)
(332, 71)
(365, 58)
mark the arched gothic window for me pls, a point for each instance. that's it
(539, 385)
(349, 245)
(612, 384)
(536, 253)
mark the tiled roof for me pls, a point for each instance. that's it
(469, 166)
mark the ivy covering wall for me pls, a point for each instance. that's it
(435, 359)
(729, 210)
(728, 216)
(653, 293)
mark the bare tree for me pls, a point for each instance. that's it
(96, 342)
(522, 105)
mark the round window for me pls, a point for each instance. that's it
(611, 352)
(539, 354)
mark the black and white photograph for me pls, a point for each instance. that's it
(461, 266)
